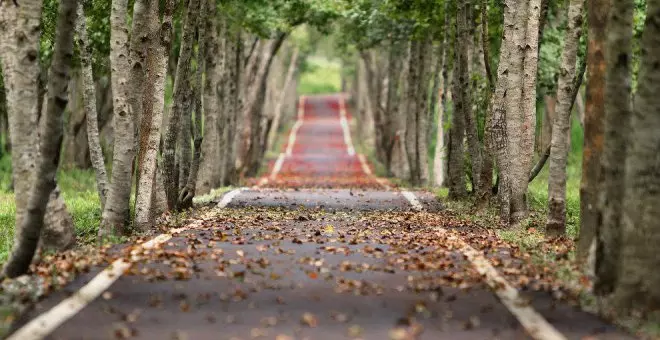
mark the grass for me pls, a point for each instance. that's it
(319, 76)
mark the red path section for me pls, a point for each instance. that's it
(319, 153)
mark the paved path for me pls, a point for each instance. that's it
(318, 249)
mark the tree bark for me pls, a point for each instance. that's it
(152, 116)
(556, 223)
(19, 54)
(456, 173)
(89, 102)
(277, 115)
(590, 217)
(116, 212)
(50, 145)
(618, 111)
(638, 284)
(521, 102)
(256, 107)
(232, 105)
(440, 154)
(180, 88)
(187, 193)
(464, 76)
(497, 119)
(213, 143)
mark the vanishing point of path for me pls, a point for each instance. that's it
(319, 248)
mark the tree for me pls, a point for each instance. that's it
(22, 93)
(440, 155)
(598, 11)
(556, 224)
(153, 107)
(43, 183)
(181, 84)
(89, 103)
(116, 212)
(618, 112)
(636, 284)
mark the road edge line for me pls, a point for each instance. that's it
(228, 197)
(343, 121)
(367, 170)
(296, 126)
(45, 323)
(414, 202)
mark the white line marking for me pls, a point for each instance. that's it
(226, 199)
(365, 166)
(344, 126)
(44, 324)
(367, 170)
(296, 126)
(412, 199)
(292, 137)
(533, 322)
(277, 167)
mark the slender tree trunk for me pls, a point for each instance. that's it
(439, 161)
(116, 212)
(19, 50)
(638, 284)
(213, 143)
(180, 88)
(152, 115)
(521, 102)
(464, 76)
(497, 119)
(456, 175)
(277, 116)
(412, 127)
(184, 148)
(618, 112)
(255, 151)
(484, 190)
(233, 104)
(188, 192)
(590, 217)
(556, 224)
(89, 99)
(51, 141)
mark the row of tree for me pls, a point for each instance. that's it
(119, 58)
(483, 67)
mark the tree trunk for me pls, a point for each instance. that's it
(556, 223)
(464, 76)
(213, 143)
(638, 284)
(152, 116)
(389, 125)
(116, 211)
(440, 155)
(50, 145)
(498, 117)
(456, 173)
(618, 112)
(232, 105)
(180, 89)
(590, 217)
(293, 66)
(256, 107)
(188, 192)
(521, 102)
(19, 50)
(89, 102)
